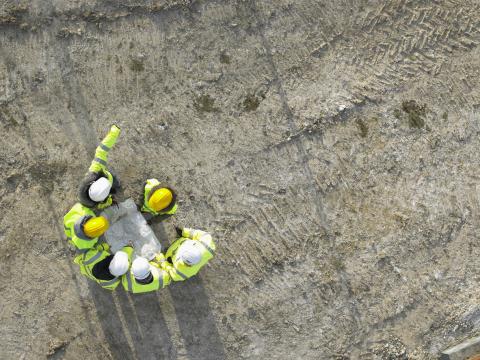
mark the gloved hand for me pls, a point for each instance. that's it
(115, 128)
(167, 265)
(179, 230)
(159, 258)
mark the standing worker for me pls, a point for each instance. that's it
(83, 227)
(104, 268)
(145, 276)
(159, 199)
(188, 254)
(99, 184)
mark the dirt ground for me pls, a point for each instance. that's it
(331, 148)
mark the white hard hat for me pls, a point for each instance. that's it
(119, 264)
(189, 252)
(99, 189)
(140, 268)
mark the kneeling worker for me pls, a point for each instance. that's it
(188, 254)
(104, 268)
(145, 276)
(159, 199)
(83, 227)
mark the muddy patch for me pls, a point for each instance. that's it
(416, 113)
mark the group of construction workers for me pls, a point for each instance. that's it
(84, 228)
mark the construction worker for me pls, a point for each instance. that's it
(83, 227)
(188, 254)
(101, 266)
(99, 184)
(159, 199)
(145, 276)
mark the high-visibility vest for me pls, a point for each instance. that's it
(160, 280)
(73, 223)
(180, 271)
(151, 186)
(98, 168)
(89, 259)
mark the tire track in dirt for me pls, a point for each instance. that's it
(384, 47)
(412, 39)
(84, 125)
(82, 128)
(286, 108)
(52, 209)
(34, 154)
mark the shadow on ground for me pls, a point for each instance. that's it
(142, 321)
(196, 320)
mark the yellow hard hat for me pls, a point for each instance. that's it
(160, 199)
(95, 226)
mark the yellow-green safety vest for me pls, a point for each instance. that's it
(160, 280)
(99, 163)
(150, 186)
(73, 223)
(181, 271)
(90, 258)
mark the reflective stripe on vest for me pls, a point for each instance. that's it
(88, 271)
(104, 147)
(182, 275)
(100, 161)
(210, 250)
(109, 282)
(92, 259)
(78, 229)
(129, 281)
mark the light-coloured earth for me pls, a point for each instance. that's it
(330, 147)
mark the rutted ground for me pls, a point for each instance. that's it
(331, 147)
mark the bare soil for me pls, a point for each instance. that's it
(331, 148)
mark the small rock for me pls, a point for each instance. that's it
(437, 274)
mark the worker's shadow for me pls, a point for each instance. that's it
(140, 331)
(194, 315)
(196, 321)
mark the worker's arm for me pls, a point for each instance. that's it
(159, 259)
(114, 213)
(158, 263)
(198, 235)
(201, 236)
(172, 272)
(166, 278)
(99, 163)
(167, 267)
